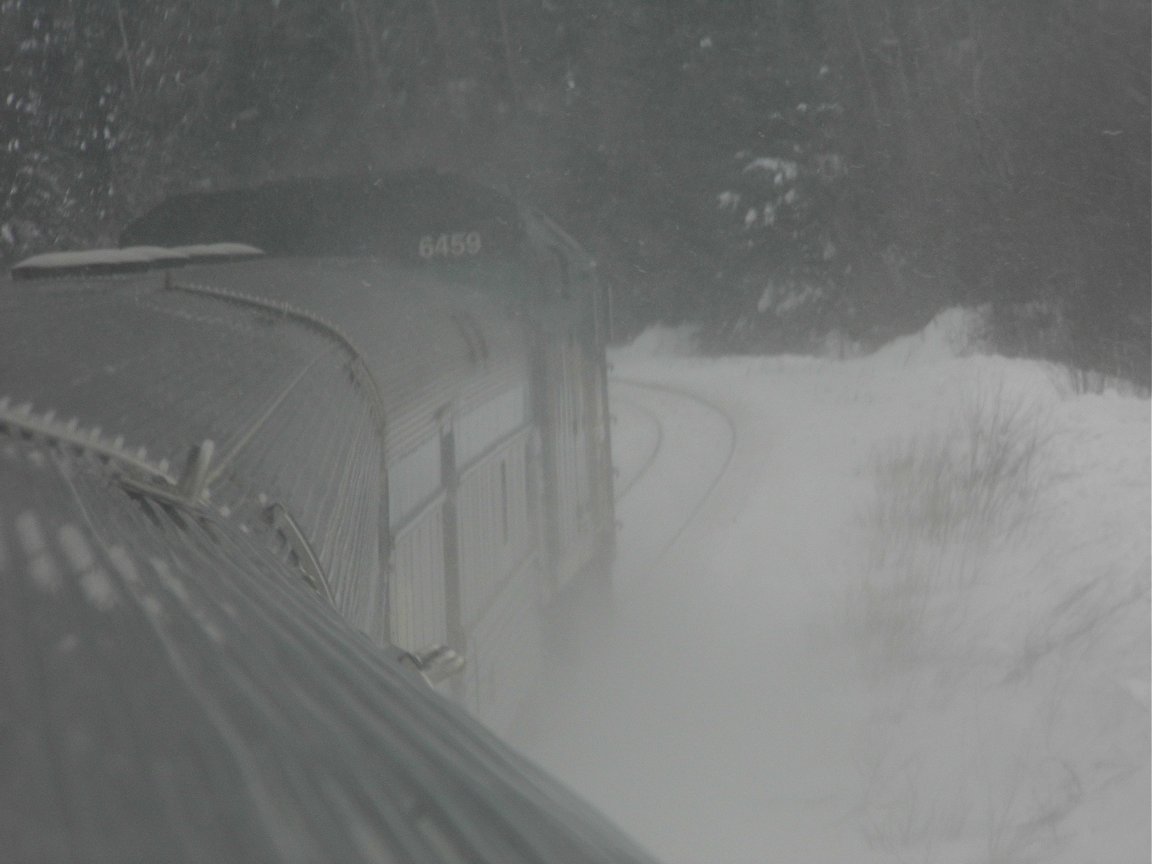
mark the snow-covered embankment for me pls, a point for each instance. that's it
(911, 623)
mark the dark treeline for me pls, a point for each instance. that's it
(784, 172)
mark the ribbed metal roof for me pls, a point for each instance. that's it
(296, 369)
(428, 341)
(171, 691)
(143, 367)
(170, 688)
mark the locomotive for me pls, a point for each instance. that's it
(270, 468)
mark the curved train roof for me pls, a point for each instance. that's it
(170, 692)
(428, 341)
(172, 689)
(298, 371)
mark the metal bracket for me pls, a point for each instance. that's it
(436, 664)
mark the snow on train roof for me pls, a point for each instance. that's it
(129, 259)
(218, 251)
(96, 260)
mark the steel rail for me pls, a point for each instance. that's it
(729, 456)
(653, 452)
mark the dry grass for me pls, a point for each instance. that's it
(944, 499)
(985, 616)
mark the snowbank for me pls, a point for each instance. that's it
(800, 679)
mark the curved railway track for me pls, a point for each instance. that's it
(656, 442)
(698, 489)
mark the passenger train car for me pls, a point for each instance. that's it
(285, 457)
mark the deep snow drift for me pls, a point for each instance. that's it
(908, 619)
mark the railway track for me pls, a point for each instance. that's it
(653, 431)
(664, 491)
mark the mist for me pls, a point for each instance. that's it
(879, 275)
(783, 677)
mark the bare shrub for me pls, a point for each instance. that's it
(943, 499)
(1006, 652)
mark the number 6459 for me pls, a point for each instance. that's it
(455, 245)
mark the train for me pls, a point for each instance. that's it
(275, 470)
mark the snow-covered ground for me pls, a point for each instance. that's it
(892, 608)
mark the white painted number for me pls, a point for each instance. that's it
(455, 245)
